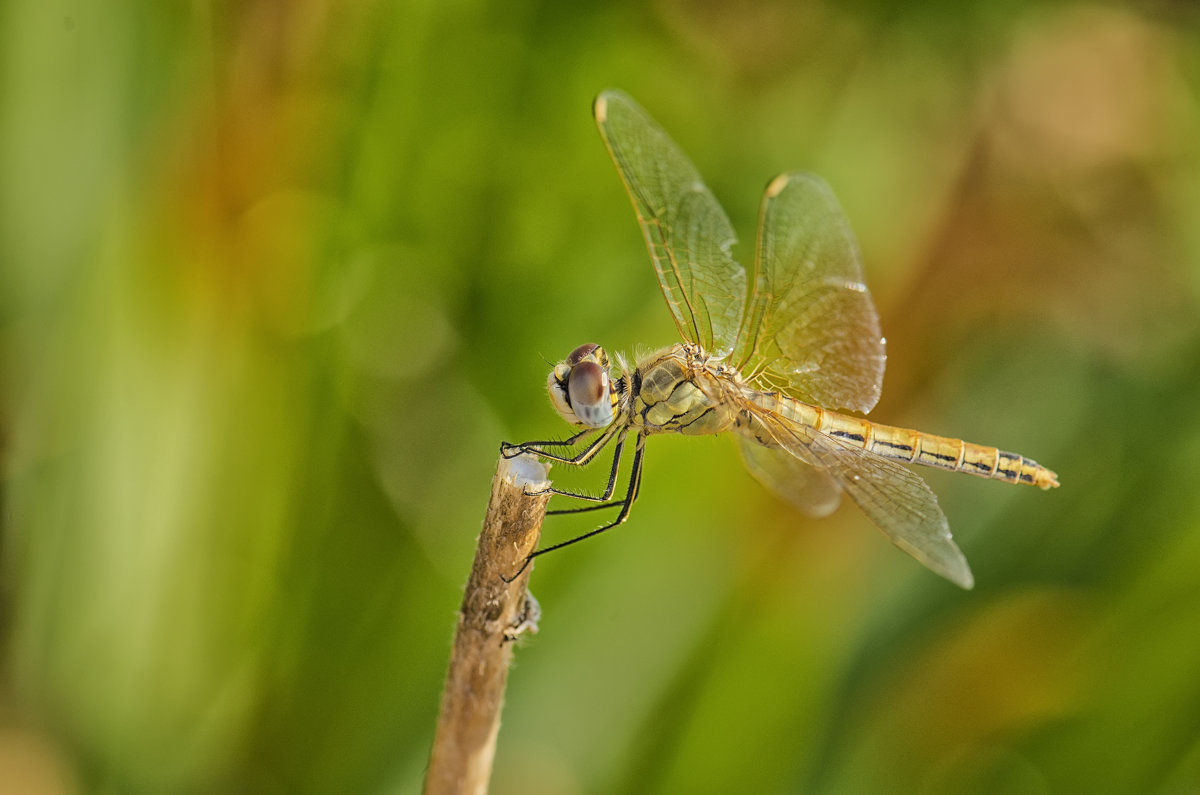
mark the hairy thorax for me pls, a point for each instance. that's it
(683, 390)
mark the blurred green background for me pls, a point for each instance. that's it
(277, 278)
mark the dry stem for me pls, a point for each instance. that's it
(493, 613)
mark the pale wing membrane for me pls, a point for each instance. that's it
(900, 503)
(895, 499)
(808, 489)
(687, 232)
(812, 330)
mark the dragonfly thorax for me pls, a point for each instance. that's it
(581, 387)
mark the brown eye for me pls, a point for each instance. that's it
(588, 384)
(580, 353)
(588, 391)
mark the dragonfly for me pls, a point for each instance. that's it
(785, 359)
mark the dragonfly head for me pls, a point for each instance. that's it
(581, 387)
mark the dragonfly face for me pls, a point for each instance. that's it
(581, 387)
(770, 357)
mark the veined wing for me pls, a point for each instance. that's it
(686, 230)
(812, 330)
(894, 498)
(808, 489)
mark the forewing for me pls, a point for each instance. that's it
(687, 232)
(808, 489)
(894, 498)
(812, 330)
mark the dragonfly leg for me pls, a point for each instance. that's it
(635, 482)
(580, 459)
(509, 450)
(583, 457)
(608, 490)
(597, 507)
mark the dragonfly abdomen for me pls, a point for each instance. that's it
(957, 455)
(915, 447)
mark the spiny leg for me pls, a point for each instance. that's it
(599, 507)
(635, 482)
(509, 450)
(608, 490)
(604, 500)
(580, 459)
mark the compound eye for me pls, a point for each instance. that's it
(581, 353)
(588, 384)
(588, 391)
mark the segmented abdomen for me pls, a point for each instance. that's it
(904, 444)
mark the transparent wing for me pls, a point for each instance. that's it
(811, 330)
(894, 498)
(808, 489)
(687, 232)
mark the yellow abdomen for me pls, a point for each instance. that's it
(905, 444)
